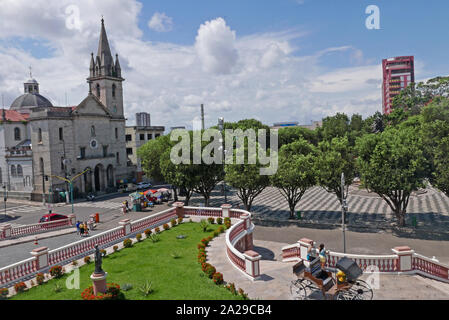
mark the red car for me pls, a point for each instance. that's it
(52, 217)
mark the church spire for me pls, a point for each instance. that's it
(104, 52)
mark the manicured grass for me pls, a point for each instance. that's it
(172, 279)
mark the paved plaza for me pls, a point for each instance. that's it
(429, 207)
(277, 276)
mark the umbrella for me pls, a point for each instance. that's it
(163, 190)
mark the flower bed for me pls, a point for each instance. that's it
(112, 293)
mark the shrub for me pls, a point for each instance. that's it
(4, 293)
(201, 255)
(218, 278)
(146, 288)
(56, 271)
(201, 260)
(211, 220)
(57, 288)
(115, 248)
(180, 219)
(173, 222)
(127, 287)
(201, 246)
(40, 278)
(209, 238)
(231, 287)
(139, 237)
(243, 294)
(166, 226)
(87, 259)
(205, 241)
(103, 252)
(221, 229)
(154, 238)
(157, 230)
(227, 225)
(216, 233)
(112, 293)
(219, 220)
(227, 219)
(127, 243)
(210, 270)
(147, 232)
(204, 225)
(74, 263)
(20, 287)
(204, 266)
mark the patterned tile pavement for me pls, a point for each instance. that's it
(429, 207)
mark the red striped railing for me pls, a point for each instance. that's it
(38, 228)
(427, 266)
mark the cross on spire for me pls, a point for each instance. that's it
(31, 72)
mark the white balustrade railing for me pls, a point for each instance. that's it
(36, 228)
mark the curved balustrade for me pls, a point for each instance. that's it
(17, 271)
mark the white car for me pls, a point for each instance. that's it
(143, 185)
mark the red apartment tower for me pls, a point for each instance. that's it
(398, 73)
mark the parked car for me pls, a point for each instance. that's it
(130, 187)
(143, 185)
(52, 217)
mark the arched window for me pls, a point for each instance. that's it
(39, 135)
(41, 165)
(17, 134)
(1, 176)
(98, 90)
(113, 90)
(92, 131)
(13, 171)
(19, 171)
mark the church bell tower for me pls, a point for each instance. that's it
(105, 77)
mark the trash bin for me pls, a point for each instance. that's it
(97, 217)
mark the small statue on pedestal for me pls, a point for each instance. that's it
(98, 260)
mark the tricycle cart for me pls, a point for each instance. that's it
(311, 279)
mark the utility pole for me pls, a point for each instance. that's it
(202, 117)
(221, 128)
(344, 208)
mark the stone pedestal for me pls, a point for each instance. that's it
(179, 207)
(5, 230)
(41, 256)
(99, 282)
(252, 259)
(304, 245)
(225, 209)
(126, 224)
(404, 258)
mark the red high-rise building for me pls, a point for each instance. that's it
(398, 73)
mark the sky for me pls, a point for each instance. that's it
(283, 60)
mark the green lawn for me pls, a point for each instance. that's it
(173, 279)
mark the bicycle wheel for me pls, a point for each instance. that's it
(361, 290)
(298, 291)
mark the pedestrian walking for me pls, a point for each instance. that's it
(125, 208)
(81, 226)
(78, 227)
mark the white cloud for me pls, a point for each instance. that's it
(160, 22)
(215, 46)
(259, 75)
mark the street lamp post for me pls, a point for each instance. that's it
(70, 182)
(4, 197)
(344, 208)
(221, 128)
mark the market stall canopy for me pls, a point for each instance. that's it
(150, 191)
(163, 190)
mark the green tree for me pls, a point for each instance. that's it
(290, 134)
(246, 178)
(296, 171)
(335, 126)
(335, 156)
(150, 154)
(392, 164)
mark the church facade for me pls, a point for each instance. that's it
(85, 143)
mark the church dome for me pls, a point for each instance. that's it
(31, 97)
(30, 100)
